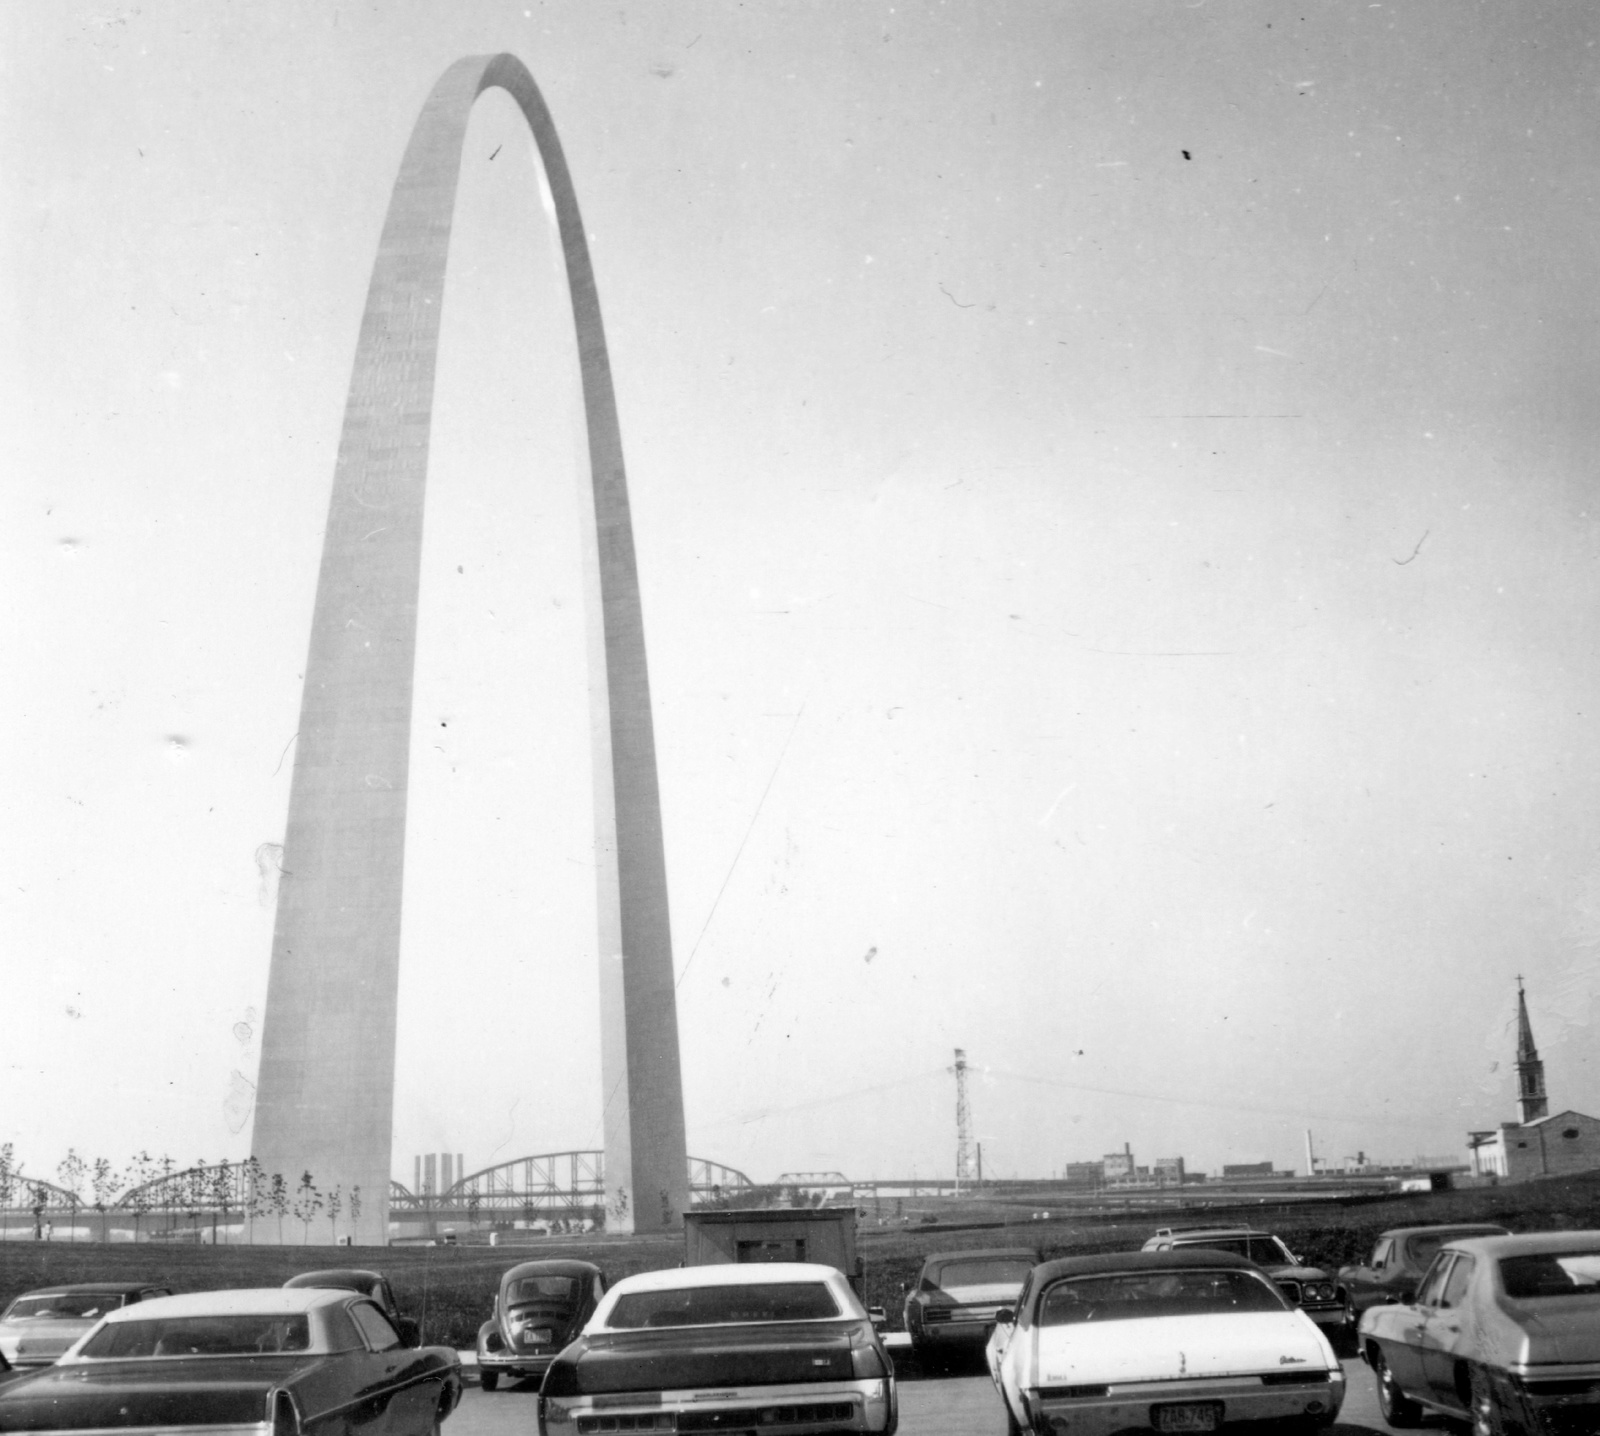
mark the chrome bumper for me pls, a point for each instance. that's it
(805, 1409)
(1099, 1411)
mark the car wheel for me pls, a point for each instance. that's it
(1398, 1408)
(1013, 1427)
(1352, 1317)
(488, 1380)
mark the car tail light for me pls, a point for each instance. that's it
(866, 1361)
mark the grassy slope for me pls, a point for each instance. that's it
(450, 1288)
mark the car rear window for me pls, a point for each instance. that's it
(720, 1305)
(992, 1272)
(200, 1336)
(542, 1288)
(75, 1305)
(1551, 1274)
(1135, 1296)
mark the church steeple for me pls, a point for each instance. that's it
(1530, 1070)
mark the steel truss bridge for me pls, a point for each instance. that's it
(553, 1184)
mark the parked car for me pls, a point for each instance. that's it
(370, 1284)
(540, 1307)
(1173, 1340)
(952, 1304)
(1399, 1258)
(271, 1361)
(40, 1325)
(724, 1348)
(1310, 1288)
(1504, 1331)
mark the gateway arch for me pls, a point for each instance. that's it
(325, 1095)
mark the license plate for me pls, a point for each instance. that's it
(1199, 1416)
(539, 1336)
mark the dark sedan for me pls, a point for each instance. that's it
(1504, 1331)
(1399, 1258)
(953, 1304)
(541, 1306)
(734, 1349)
(372, 1284)
(269, 1362)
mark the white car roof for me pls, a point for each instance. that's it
(250, 1301)
(728, 1274)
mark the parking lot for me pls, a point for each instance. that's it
(962, 1404)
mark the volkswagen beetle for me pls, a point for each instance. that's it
(540, 1307)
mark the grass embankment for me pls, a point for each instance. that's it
(449, 1289)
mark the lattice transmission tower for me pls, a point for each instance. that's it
(963, 1122)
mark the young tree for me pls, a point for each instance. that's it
(8, 1184)
(193, 1185)
(168, 1194)
(335, 1206)
(307, 1203)
(355, 1210)
(105, 1184)
(70, 1170)
(253, 1178)
(221, 1195)
(141, 1170)
(278, 1200)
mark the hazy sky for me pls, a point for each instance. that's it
(1116, 509)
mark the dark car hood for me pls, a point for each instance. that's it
(205, 1391)
(694, 1357)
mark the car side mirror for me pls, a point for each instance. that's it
(1005, 1316)
(410, 1332)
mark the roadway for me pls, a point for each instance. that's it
(952, 1405)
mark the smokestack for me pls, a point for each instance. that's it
(1311, 1161)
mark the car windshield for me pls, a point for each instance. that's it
(200, 1336)
(1135, 1296)
(1551, 1274)
(993, 1271)
(718, 1305)
(72, 1304)
(542, 1288)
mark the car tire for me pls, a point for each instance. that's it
(1352, 1317)
(1013, 1427)
(488, 1380)
(1398, 1409)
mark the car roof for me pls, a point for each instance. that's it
(342, 1277)
(249, 1301)
(1465, 1229)
(66, 1288)
(1026, 1254)
(1190, 1234)
(727, 1274)
(1106, 1263)
(554, 1267)
(1526, 1244)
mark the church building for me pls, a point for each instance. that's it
(1542, 1144)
